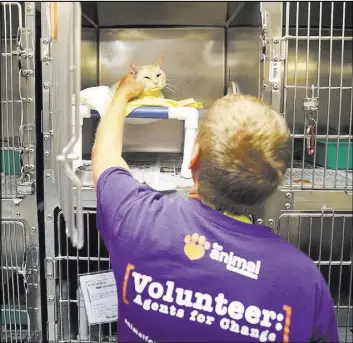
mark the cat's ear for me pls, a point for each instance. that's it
(160, 62)
(134, 68)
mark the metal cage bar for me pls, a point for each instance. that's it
(11, 102)
(317, 95)
(17, 161)
(69, 264)
(15, 318)
(327, 238)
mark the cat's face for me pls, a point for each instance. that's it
(152, 76)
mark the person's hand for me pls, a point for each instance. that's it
(129, 87)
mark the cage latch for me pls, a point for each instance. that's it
(30, 269)
(311, 104)
(25, 188)
(50, 268)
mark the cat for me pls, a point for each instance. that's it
(152, 76)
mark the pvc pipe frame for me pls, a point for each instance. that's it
(189, 115)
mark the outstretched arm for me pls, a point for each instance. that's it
(108, 145)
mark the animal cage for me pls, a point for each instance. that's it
(297, 56)
(20, 300)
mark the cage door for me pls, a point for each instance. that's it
(61, 54)
(17, 134)
(317, 93)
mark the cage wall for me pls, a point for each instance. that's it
(200, 62)
(20, 300)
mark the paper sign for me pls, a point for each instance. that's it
(100, 297)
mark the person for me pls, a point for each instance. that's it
(197, 269)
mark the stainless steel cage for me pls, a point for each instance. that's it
(327, 238)
(307, 57)
(68, 264)
(303, 54)
(20, 264)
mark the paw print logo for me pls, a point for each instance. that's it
(195, 246)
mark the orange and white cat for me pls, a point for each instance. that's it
(152, 76)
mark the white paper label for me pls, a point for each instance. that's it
(275, 72)
(100, 297)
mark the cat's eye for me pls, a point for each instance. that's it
(146, 77)
(158, 75)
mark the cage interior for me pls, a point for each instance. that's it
(207, 45)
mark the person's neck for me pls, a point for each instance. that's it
(239, 217)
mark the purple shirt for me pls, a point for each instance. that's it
(187, 273)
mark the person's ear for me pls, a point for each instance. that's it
(195, 159)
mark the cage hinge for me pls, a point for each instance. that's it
(277, 50)
(46, 55)
(283, 50)
(27, 73)
(50, 268)
(30, 269)
(47, 112)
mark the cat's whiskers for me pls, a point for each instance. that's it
(171, 81)
(171, 86)
(171, 90)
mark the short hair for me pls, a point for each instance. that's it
(244, 153)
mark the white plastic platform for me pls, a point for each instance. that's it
(189, 115)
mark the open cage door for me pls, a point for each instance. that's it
(61, 58)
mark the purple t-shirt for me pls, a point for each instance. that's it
(187, 273)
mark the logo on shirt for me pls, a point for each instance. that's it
(196, 246)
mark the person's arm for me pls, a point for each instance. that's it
(108, 145)
(119, 196)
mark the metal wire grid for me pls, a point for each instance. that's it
(15, 320)
(309, 52)
(11, 103)
(93, 257)
(327, 238)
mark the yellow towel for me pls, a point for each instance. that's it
(154, 101)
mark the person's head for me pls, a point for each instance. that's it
(241, 153)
